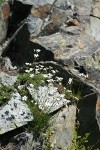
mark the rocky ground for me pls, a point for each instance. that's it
(50, 58)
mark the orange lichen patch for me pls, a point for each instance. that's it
(73, 22)
(42, 11)
(6, 12)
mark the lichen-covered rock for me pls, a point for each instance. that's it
(7, 80)
(48, 98)
(36, 2)
(15, 113)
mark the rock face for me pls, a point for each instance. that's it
(14, 114)
(67, 32)
(61, 130)
(48, 98)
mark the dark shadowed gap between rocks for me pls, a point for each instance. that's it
(86, 116)
(21, 49)
(6, 138)
(18, 13)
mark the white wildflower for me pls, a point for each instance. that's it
(31, 85)
(44, 69)
(45, 75)
(24, 98)
(37, 71)
(70, 80)
(38, 50)
(31, 69)
(50, 75)
(37, 66)
(31, 75)
(60, 83)
(50, 80)
(36, 55)
(41, 66)
(27, 71)
(53, 71)
(19, 87)
(59, 78)
(69, 91)
(50, 67)
(26, 63)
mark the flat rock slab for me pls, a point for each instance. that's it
(62, 128)
(48, 98)
(36, 2)
(14, 114)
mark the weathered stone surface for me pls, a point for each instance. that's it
(57, 43)
(48, 98)
(96, 10)
(14, 114)
(34, 25)
(93, 28)
(36, 2)
(7, 80)
(59, 16)
(42, 11)
(62, 127)
(70, 31)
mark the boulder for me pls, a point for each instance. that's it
(15, 113)
(48, 98)
(60, 133)
(36, 2)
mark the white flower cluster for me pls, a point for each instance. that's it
(70, 81)
(36, 53)
(24, 98)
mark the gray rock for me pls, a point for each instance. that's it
(36, 3)
(7, 80)
(14, 114)
(34, 25)
(48, 98)
(60, 133)
(65, 4)
(74, 30)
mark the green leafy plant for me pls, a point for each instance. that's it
(41, 119)
(1, 1)
(72, 93)
(79, 142)
(25, 78)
